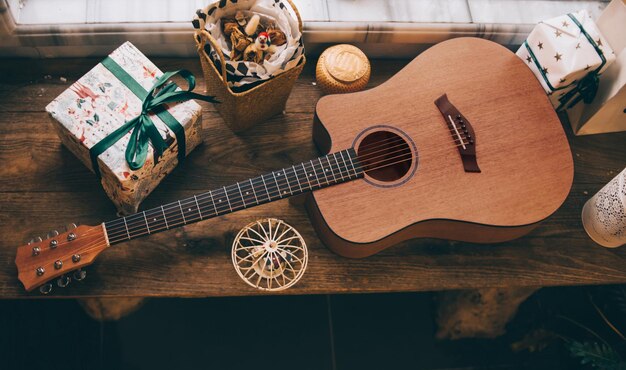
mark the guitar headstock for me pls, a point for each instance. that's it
(59, 256)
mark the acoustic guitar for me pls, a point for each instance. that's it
(461, 144)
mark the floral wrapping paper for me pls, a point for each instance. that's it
(98, 103)
(564, 53)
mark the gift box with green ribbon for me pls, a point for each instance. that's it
(128, 123)
(567, 54)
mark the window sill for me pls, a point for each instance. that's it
(384, 35)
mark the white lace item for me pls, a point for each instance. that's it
(604, 215)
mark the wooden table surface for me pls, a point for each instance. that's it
(43, 186)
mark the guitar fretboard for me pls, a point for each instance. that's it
(315, 174)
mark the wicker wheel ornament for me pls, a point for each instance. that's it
(269, 255)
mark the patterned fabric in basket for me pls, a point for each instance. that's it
(243, 75)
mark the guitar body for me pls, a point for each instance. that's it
(526, 167)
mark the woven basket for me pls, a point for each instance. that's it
(243, 110)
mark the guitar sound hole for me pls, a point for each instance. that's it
(385, 156)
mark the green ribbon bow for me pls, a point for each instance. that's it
(585, 90)
(143, 129)
(587, 87)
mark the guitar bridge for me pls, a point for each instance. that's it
(461, 131)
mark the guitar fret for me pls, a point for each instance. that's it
(338, 166)
(287, 180)
(297, 178)
(245, 189)
(315, 172)
(227, 199)
(188, 204)
(182, 213)
(219, 200)
(345, 164)
(331, 168)
(212, 201)
(323, 172)
(352, 164)
(277, 186)
(267, 191)
(164, 219)
(351, 154)
(146, 219)
(312, 175)
(306, 177)
(198, 205)
(126, 225)
(244, 194)
(254, 192)
(240, 193)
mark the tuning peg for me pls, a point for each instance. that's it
(45, 289)
(70, 227)
(63, 281)
(80, 275)
(35, 240)
(52, 234)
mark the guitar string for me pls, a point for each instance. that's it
(288, 182)
(283, 180)
(116, 234)
(112, 232)
(393, 145)
(168, 207)
(118, 230)
(138, 223)
(395, 138)
(271, 187)
(400, 138)
(120, 238)
(347, 171)
(298, 172)
(101, 242)
(97, 243)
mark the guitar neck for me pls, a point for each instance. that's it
(332, 169)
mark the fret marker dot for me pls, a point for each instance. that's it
(284, 192)
(279, 174)
(189, 209)
(247, 192)
(154, 219)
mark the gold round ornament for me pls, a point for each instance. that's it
(342, 69)
(269, 254)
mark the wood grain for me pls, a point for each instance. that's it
(526, 163)
(195, 261)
